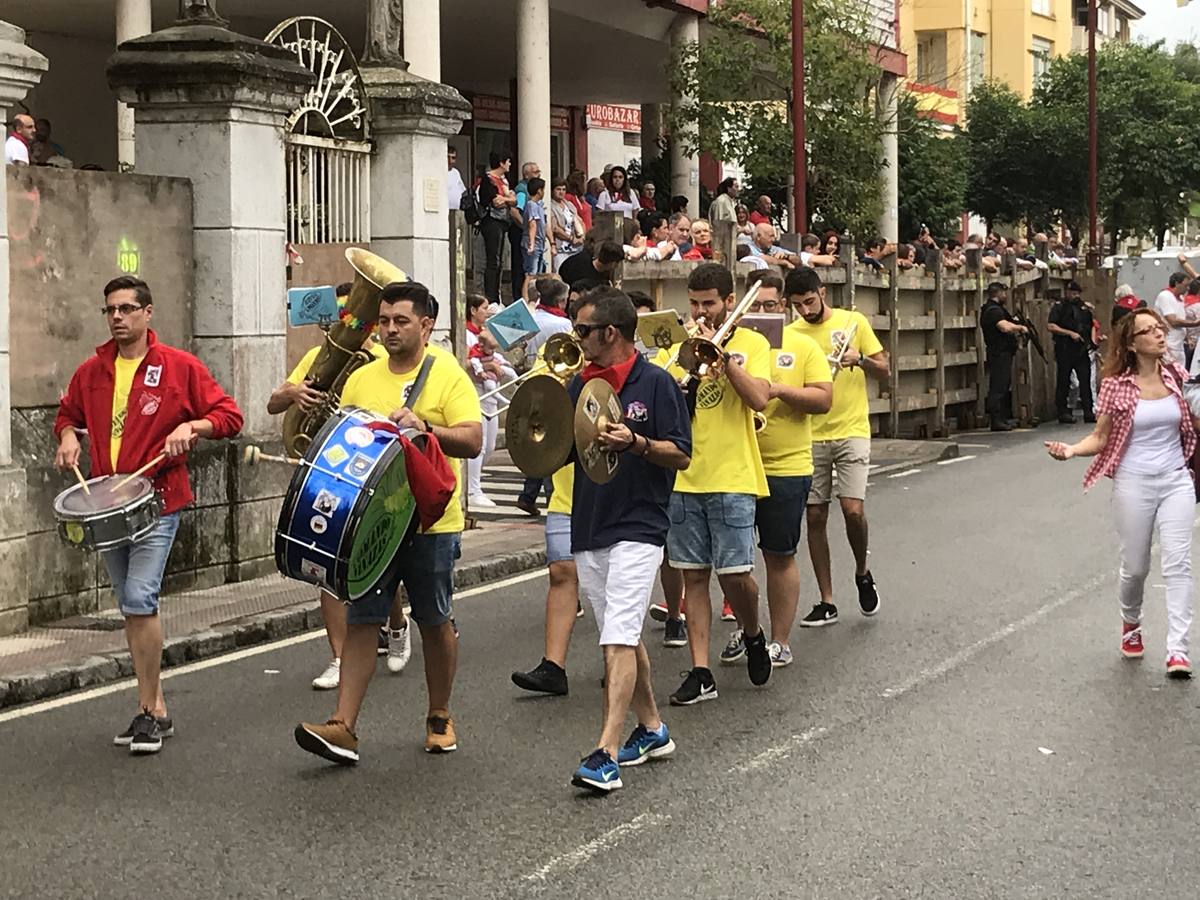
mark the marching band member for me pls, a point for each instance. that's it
(137, 398)
(713, 505)
(448, 408)
(618, 529)
(841, 438)
(394, 643)
(801, 388)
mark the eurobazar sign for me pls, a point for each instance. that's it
(620, 118)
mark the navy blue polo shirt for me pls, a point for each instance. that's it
(633, 506)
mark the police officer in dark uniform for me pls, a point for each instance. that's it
(1000, 337)
(1071, 325)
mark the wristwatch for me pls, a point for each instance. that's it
(428, 427)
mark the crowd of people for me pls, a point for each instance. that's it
(29, 143)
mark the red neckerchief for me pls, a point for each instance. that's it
(1191, 299)
(473, 328)
(24, 140)
(614, 375)
(553, 310)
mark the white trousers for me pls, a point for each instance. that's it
(1139, 503)
(491, 428)
(617, 582)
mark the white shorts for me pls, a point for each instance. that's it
(618, 581)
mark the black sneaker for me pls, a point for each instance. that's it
(675, 633)
(1066, 420)
(697, 687)
(166, 728)
(382, 648)
(758, 659)
(147, 737)
(734, 649)
(821, 614)
(578, 608)
(529, 507)
(546, 678)
(868, 595)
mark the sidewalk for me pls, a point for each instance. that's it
(89, 650)
(85, 651)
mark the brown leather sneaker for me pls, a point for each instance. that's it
(332, 741)
(439, 733)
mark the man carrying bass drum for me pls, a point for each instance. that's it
(138, 399)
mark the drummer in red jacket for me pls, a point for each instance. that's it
(137, 398)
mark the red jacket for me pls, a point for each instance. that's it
(169, 388)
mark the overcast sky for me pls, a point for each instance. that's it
(1166, 20)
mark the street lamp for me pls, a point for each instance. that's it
(799, 160)
(1093, 254)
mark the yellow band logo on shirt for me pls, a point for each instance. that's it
(710, 394)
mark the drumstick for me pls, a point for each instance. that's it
(150, 465)
(82, 483)
(252, 455)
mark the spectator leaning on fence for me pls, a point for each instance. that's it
(16, 148)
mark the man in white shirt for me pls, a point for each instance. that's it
(454, 181)
(16, 148)
(767, 251)
(550, 314)
(1169, 305)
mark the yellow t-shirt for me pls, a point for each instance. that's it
(447, 399)
(725, 457)
(301, 371)
(126, 369)
(848, 417)
(785, 443)
(564, 485)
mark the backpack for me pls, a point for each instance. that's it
(472, 209)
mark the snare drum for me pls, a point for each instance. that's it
(348, 508)
(107, 518)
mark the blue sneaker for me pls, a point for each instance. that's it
(644, 744)
(597, 772)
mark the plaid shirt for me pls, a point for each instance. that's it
(1118, 399)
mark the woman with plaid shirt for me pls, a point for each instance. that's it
(1143, 439)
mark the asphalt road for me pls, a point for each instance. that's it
(981, 737)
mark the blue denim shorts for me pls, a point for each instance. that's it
(780, 516)
(136, 570)
(534, 263)
(426, 569)
(712, 531)
(558, 537)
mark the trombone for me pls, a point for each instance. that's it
(562, 358)
(835, 358)
(697, 355)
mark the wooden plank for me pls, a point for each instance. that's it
(959, 358)
(894, 347)
(934, 266)
(917, 363)
(962, 395)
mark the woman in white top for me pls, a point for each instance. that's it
(619, 197)
(1144, 439)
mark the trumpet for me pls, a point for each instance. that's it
(839, 351)
(698, 355)
(562, 358)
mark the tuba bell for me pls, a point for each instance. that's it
(343, 351)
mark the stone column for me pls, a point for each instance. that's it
(651, 132)
(889, 219)
(20, 69)
(210, 105)
(133, 20)
(685, 170)
(423, 38)
(533, 85)
(410, 121)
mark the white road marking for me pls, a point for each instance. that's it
(779, 751)
(982, 446)
(246, 653)
(606, 841)
(905, 473)
(956, 459)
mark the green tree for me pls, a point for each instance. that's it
(998, 144)
(739, 81)
(933, 173)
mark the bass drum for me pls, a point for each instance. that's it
(348, 508)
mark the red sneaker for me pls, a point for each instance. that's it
(727, 612)
(1178, 666)
(1131, 641)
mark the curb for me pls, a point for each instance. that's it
(248, 631)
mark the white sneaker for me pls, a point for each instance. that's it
(481, 501)
(399, 649)
(328, 680)
(780, 655)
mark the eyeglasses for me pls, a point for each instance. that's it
(125, 309)
(1151, 330)
(767, 306)
(583, 329)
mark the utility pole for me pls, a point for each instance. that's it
(799, 151)
(1094, 254)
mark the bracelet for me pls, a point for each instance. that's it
(428, 427)
(645, 452)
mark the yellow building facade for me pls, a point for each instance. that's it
(953, 45)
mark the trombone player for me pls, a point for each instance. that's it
(714, 501)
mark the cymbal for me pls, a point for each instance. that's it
(538, 428)
(598, 405)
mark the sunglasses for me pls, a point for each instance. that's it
(1151, 330)
(583, 329)
(125, 309)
